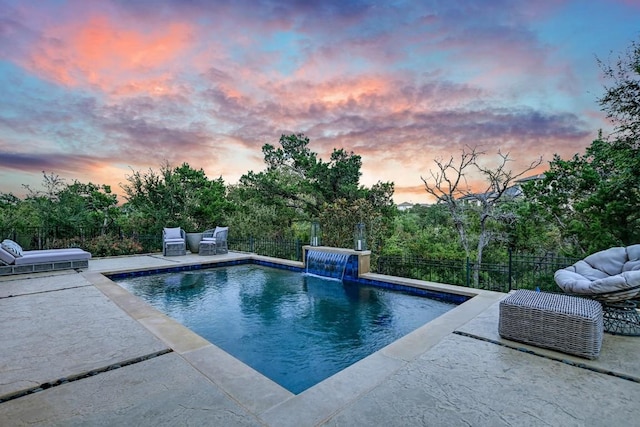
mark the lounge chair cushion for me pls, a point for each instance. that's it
(172, 233)
(52, 255)
(610, 270)
(12, 247)
(174, 240)
(6, 257)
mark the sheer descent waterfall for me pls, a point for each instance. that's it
(327, 264)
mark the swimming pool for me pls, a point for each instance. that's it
(295, 329)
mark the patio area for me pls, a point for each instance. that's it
(79, 350)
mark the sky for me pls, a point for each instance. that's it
(92, 90)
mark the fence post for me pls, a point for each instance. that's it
(468, 272)
(510, 269)
(251, 249)
(298, 250)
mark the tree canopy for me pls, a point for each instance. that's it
(301, 187)
(297, 179)
(175, 197)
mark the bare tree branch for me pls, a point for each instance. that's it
(449, 185)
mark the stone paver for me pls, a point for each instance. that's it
(24, 285)
(55, 334)
(464, 381)
(163, 391)
(617, 355)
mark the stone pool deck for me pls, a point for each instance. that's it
(76, 349)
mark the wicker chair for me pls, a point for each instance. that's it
(611, 277)
(174, 241)
(214, 241)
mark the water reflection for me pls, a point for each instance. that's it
(296, 329)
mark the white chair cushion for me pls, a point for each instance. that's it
(609, 261)
(633, 252)
(174, 240)
(172, 233)
(611, 270)
(52, 255)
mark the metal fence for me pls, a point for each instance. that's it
(434, 270)
(519, 271)
(95, 240)
(290, 249)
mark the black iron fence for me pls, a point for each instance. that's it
(413, 267)
(519, 271)
(290, 249)
(100, 242)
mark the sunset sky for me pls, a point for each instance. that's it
(91, 90)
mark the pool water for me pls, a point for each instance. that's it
(295, 329)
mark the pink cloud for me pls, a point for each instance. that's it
(107, 55)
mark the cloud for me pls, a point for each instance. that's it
(118, 84)
(104, 54)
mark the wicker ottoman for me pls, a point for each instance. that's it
(559, 322)
(207, 247)
(174, 249)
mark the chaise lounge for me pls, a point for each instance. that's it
(13, 260)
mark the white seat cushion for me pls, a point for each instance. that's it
(172, 233)
(174, 240)
(52, 255)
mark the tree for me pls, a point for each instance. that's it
(87, 205)
(298, 180)
(592, 198)
(621, 100)
(449, 186)
(43, 202)
(339, 220)
(9, 208)
(59, 213)
(71, 206)
(252, 217)
(302, 187)
(424, 231)
(174, 197)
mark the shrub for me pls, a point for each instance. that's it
(108, 245)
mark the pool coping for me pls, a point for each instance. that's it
(260, 395)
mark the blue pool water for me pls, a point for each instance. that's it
(293, 328)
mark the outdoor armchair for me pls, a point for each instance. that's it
(216, 238)
(174, 241)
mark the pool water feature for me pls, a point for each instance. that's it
(295, 329)
(327, 264)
